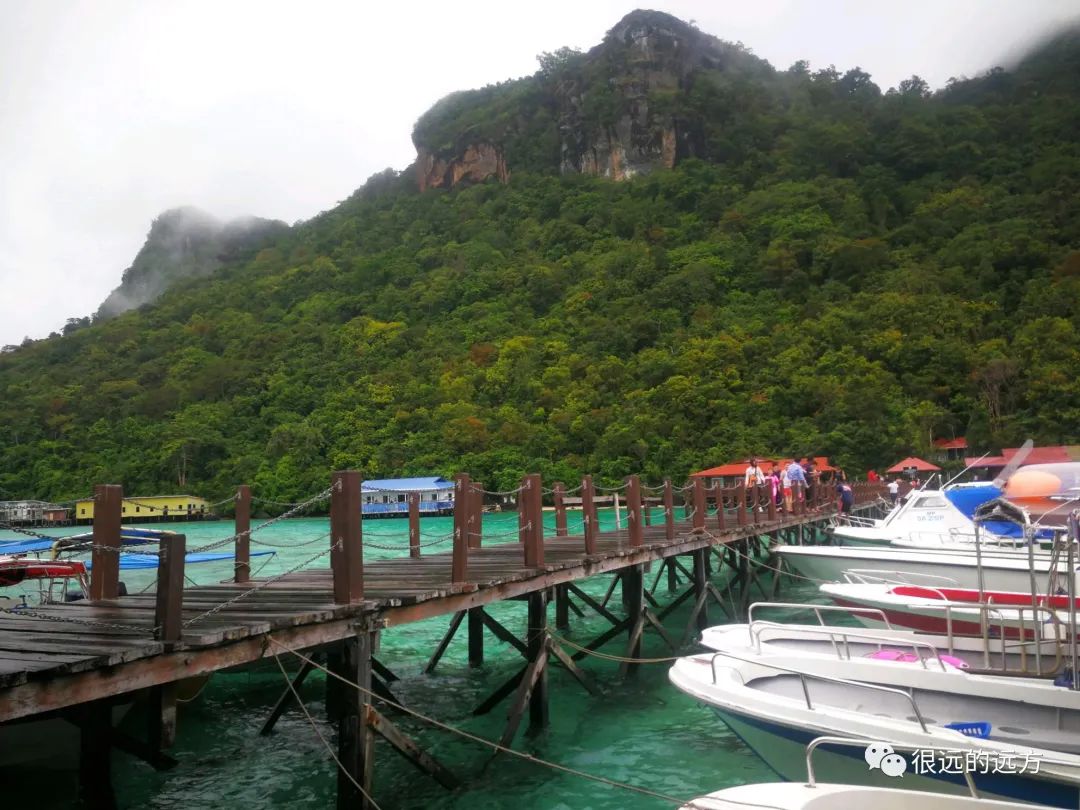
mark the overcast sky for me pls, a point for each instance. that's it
(111, 111)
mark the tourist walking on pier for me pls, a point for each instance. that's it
(754, 478)
(775, 481)
(797, 477)
(843, 489)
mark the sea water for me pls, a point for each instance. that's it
(640, 731)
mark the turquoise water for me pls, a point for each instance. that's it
(640, 731)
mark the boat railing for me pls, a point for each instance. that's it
(804, 676)
(846, 636)
(884, 576)
(854, 742)
(819, 611)
(998, 620)
(856, 520)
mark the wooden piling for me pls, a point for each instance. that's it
(459, 565)
(355, 736)
(588, 515)
(169, 599)
(476, 637)
(105, 555)
(242, 530)
(669, 511)
(698, 520)
(95, 752)
(532, 517)
(558, 496)
(633, 587)
(537, 646)
(476, 516)
(414, 525)
(346, 535)
(635, 526)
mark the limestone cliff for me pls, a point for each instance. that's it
(626, 107)
(476, 162)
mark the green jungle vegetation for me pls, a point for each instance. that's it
(845, 272)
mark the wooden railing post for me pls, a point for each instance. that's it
(721, 509)
(459, 566)
(772, 501)
(588, 521)
(532, 529)
(635, 527)
(698, 520)
(414, 524)
(242, 563)
(669, 511)
(755, 502)
(169, 600)
(476, 514)
(346, 537)
(558, 495)
(105, 556)
(740, 504)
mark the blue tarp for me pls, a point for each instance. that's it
(968, 499)
(138, 561)
(24, 547)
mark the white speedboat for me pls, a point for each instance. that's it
(778, 709)
(1002, 569)
(941, 608)
(936, 513)
(814, 795)
(797, 796)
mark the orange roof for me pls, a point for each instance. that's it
(951, 444)
(910, 463)
(1038, 455)
(735, 468)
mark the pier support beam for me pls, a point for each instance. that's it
(633, 585)
(95, 757)
(356, 738)
(476, 637)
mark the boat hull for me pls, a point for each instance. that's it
(783, 748)
(1002, 571)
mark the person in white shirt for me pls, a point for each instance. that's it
(754, 477)
(894, 490)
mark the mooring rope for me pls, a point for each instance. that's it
(607, 657)
(319, 734)
(477, 739)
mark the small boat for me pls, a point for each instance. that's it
(943, 609)
(814, 795)
(1003, 569)
(936, 512)
(777, 707)
(14, 570)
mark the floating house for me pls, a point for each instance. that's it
(151, 509)
(33, 513)
(389, 497)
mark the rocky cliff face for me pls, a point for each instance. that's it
(185, 243)
(615, 111)
(476, 162)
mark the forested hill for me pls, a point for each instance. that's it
(851, 273)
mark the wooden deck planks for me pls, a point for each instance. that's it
(64, 639)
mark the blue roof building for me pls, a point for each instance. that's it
(388, 497)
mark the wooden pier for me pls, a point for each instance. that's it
(75, 660)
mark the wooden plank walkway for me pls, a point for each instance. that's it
(59, 655)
